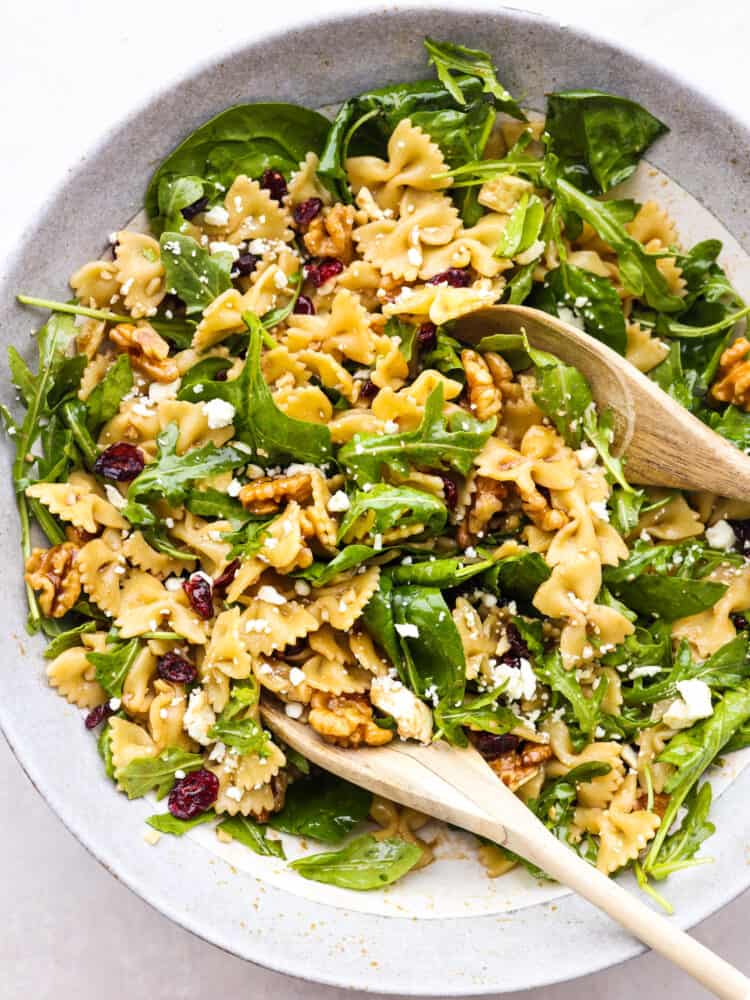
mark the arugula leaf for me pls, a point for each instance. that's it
(598, 138)
(320, 574)
(245, 735)
(113, 666)
(104, 400)
(728, 667)
(441, 573)
(248, 539)
(323, 807)
(171, 475)
(434, 656)
(406, 333)
(167, 823)
(214, 503)
(587, 711)
(480, 713)
(365, 863)
(691, 751)
(386, 506)
(523, 227)
(733, 424)
(518, 576)
(244, 139)
(435, 444)
(145, 774)
(638, 269)
(205, 370)
(253, 835)
(679, 848)
(445, 357)
(68, 639)
(258, 422)
(591, 297)
(104, 748)
(192, 273)
(449, 58)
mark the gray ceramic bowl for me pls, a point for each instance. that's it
(434, 939)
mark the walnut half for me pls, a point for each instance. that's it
(53, 573)
(330, 235)
(516, 767)
(346, 720)
(148, 350)
(265, 495)
(732, 383)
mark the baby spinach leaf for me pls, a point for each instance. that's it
(480, 713)
(598, 138)
(432, 650)
(253, 835)
(523, 227)
(104, 400)
(323, 807)
(449, 58)
(594, 299)
(638, 269)
(517, 577)
(667, 597)
(174, 194)
(679, 848)
(171, 475)
(436, 444)
(167, 823)
(145, 774)
(113, 666)
(441, 573)
(258, 422)
(378, 619)
(365, 863)
(385, 507)
(205, 370)
(244, 139)
(68, 639)
(192, 273)
(587, 711)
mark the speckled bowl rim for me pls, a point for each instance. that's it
(448, 957)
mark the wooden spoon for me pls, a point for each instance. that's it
(458, 787)
(665, 445)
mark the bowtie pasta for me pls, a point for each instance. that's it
(265, 467)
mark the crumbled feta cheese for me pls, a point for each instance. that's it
(302, 587)
(520, 682)
(586, 456)
(599, 509)
(218, 752)
(199, 717)
(721, 536)
(114, 496)
(233, 792)
(217, 216)
(407, 630)
(470, 552)
(413, 717)
(173, 583)
(296, 676)
(219, 413)
(169, 522)
(280, 279)
(152, 837)
(219, 246)
(644, 671)
(233, 490)
(114, 704)
(159, 391)
(179, 774)
(294, 709)
(693, 704)
(377, 542)
(271, 595)
(390, 427)
(339, 502)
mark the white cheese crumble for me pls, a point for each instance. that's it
(114, 496)
(114, 704)
(294, 709)
(219, 246)
(413, 717)
(296, 676)
(520, 682)
(173, 583)
(586, 456)
(721, 536)
(390, 427)
(219, 413)
(233, 792)
(599, 509)
(339, 502)
(644, 671)
(217, 216)
(693, 704)
(233, 490)
(199, 717)
(159, 391)
(302, 587)
(271, 595)
(408, 631)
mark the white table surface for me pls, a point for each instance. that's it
(69, 69)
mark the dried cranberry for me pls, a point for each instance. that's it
(195, 208)
(741, 530)
(273, 181)
(427, 336)
(306, 211)
(323, 270)
(740, 623)
(244, 265)
(491, 746)
(199, 591)
(456, 277)
(368, 390)
(97, 715)
(517, 648)
(177, 669)
(121, 462)
(223, 580)
(450, 492)
(193, 794)
(303, 306)
(222, 375)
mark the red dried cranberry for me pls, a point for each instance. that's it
(177, 669)
(195, 208)
(193, 794)
(740, 623)
(306, 211)
(517, 649)
(303, 306)
(450, 492)
(244, 265)
(456, 277)
(741, 530)
(323, 270)
(491, 746)
(223, 580)
(273, 181)
(199, 592)
(427, 336)
(97, 715)
(222, 375)
(368, 390)
(121, 462)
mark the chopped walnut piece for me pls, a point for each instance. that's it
(264, 496)
(330, 235)
(536, 507)
(149, 352)
(53, 573)
(346, 720)
(484, 396)
(77, 535)
(489, 498)
(732, 383)
(659, 805)
(516, 767)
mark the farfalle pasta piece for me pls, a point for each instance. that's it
(331, 372)
(252, 214)
(474, 247)
(651, 771)
(709, 630)
(96, 285)
(323, 526)
(623, 830)
(440, 303)
(74, 676)
(652, 222)
(233, 799)
(205, 538)
(147, 606)
(644, 350)
(305, 402)
(341, 604)
(254, 771)
(192, 421)
(588, 527)
(344, 332)
(334, 677)
(477, 638)
(141, 554)
(406, 406)
(276, 676)
(227, 651)
(220, 319)
(137, 688)
(502, 194)
(165, 717)
(366, 655)
(599, 791)
(304, 183)
(139, 272)
(128, 742)
(413, 161)
(78, 502)
(268, 627)
(672, 522)
(102, 568)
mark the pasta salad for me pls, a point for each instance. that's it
(265, 467)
